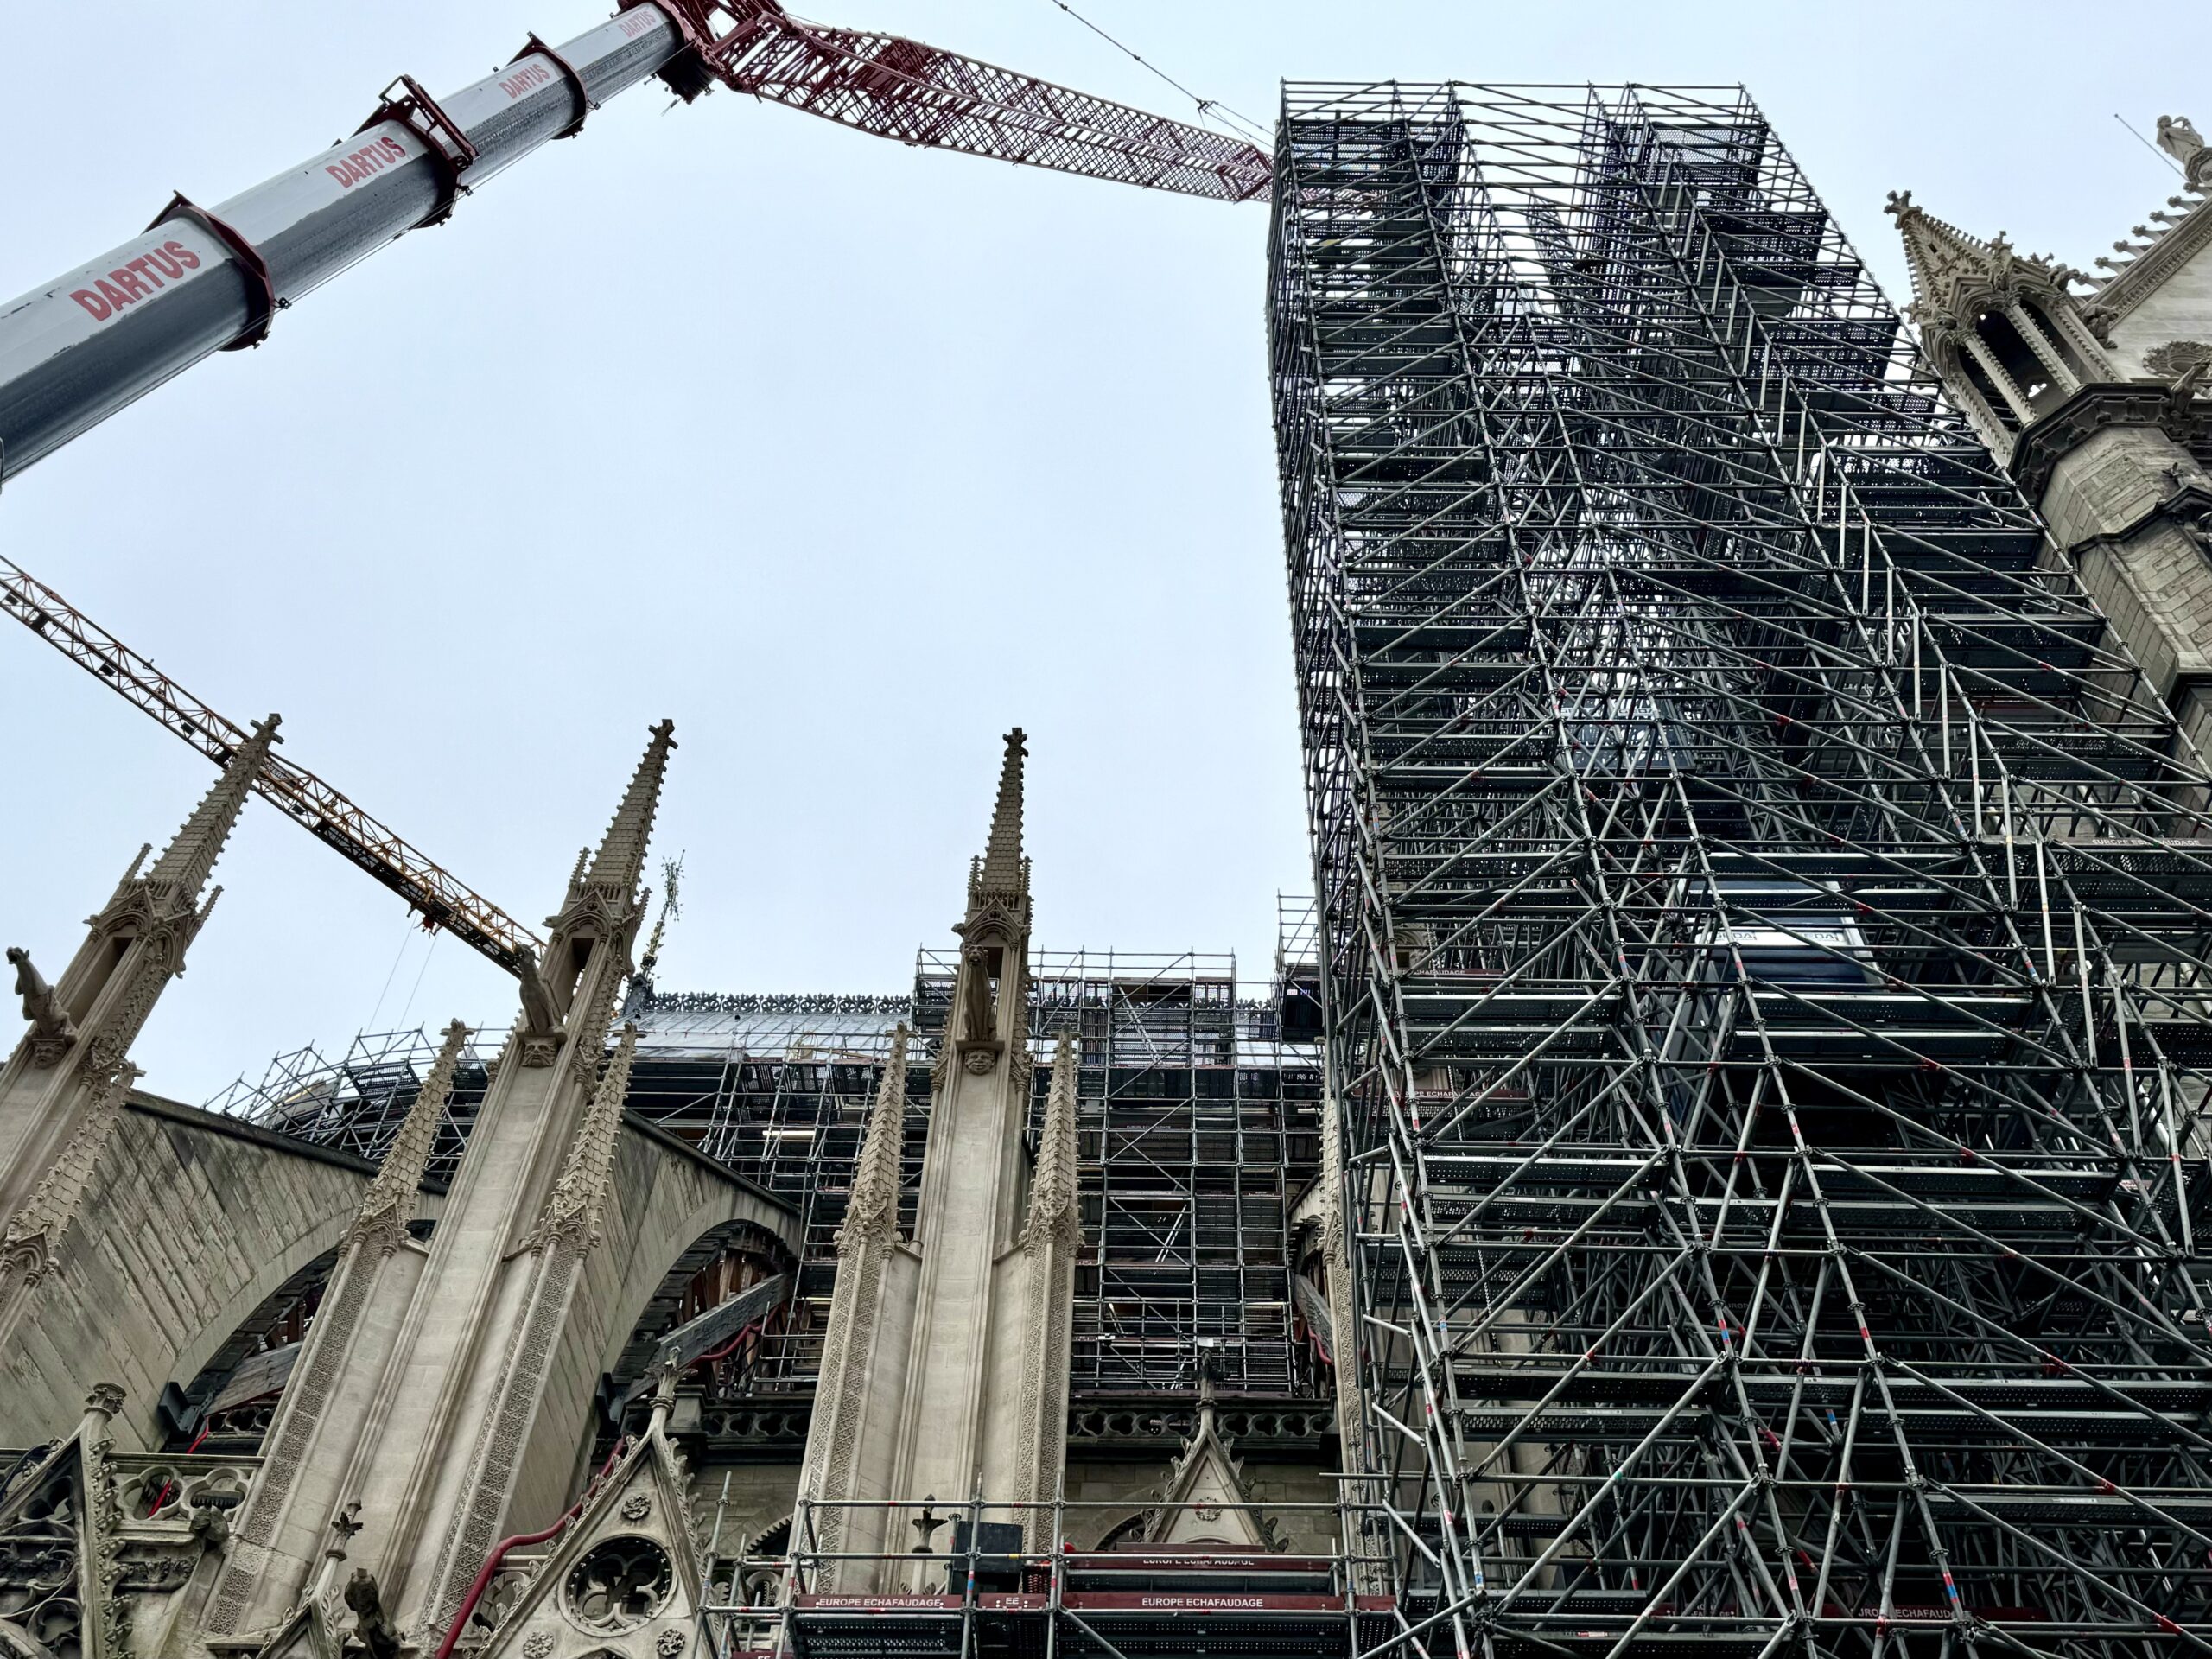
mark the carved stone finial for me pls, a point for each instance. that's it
(104, 1399)
(995, 930)
(51, 1029)
(1054, 1216)
(1900, 204)
(620, 859)
(389, 1204)
(872, 1208)
(1001, 872)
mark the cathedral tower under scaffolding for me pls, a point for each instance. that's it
(1762, 914)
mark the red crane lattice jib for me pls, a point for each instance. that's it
(442, 899)
(919, 94)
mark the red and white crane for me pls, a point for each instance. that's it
(201, 280)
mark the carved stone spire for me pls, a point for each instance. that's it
(2001, 329)
(574, 1207)
(994, 934)
(605, 904)
(1002, 874)
(1941, 257)
(184, 867)
(872, 1211)
(1054, 1216)
(619, 862)
(1957, 277)
(389, 1204)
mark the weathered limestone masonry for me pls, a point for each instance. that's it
(193, 1222)
(944, 1371)
(2093, 402)
(440, 1389)
(190, 1223)
(62, 1089)
(420, 1405)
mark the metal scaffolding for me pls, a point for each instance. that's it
(1764, 921)
(1198, 1128)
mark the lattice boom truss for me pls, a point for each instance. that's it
(1764, 914)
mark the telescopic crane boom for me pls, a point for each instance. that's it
(199, 280)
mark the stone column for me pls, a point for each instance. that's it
(2046, 352)
(1999, 376)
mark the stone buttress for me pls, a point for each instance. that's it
(944, 1370)
(62, 1088)
(425, 1377)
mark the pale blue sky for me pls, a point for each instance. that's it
(845, 456)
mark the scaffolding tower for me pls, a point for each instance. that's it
(1198, 1129)
(1763, 915)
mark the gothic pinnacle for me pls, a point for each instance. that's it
(620, 859)
(574, 1207)
(1001, 872)
(1052, 1202)
(389, 1204)
(188, 861)
(1948, 267)
(872, 1209)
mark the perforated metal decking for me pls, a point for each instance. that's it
(1764, 921)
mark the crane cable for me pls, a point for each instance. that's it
(1206, 106)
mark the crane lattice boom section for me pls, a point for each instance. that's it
(918, 94)
(442, 899)
(1766, 922)
(200, 280)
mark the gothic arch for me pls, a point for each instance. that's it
(647, 1310)
(295, 1271)
(227, 1348)
(154, 1279)
(668, 1200)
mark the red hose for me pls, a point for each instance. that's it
(168, 1486)
(708, 1359)
(499, 1552)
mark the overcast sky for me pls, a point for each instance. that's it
(846, 456)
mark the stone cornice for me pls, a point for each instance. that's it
(2089, 410)
(237, 1128)
(2143, 275)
